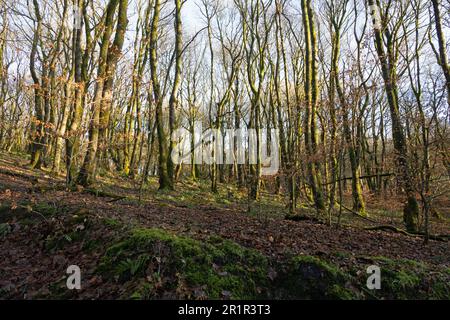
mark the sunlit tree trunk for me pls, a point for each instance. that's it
(311, 94)
(59, 128)
(442, 54)
(165, 182)
(38, 123)
(358, 201)
(109, 56)
(176, 83)
(3, 75)
(79, 69)
(411, 208)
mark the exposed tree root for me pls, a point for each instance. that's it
(443, 238)
(356, 213)
(390, 228)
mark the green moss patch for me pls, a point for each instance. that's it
(5, 229)
(408, 279)
(155, 264)
(308, 277)
(152, 262)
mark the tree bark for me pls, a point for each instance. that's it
(411, 208)
(164, 179)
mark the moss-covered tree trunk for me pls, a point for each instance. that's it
(61, 126)
(79, 69)
(109, 55)
(133, 100)
(311, 95)
(442, 54)
(176, 83)
(37, 137)
(387, 61)
(164, 179)
(3, 74)
(358, 201)
(114, 53)
(285, 157)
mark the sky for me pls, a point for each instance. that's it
(191, 16)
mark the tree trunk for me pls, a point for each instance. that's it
(164, 179)
(109, 56)
(442, 55)
(38, 122)
(411, 208)
(311, 104)
(176, 84)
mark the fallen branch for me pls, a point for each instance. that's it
(363, 177)
(443, 238)
(356, 213)
(390, 228)
(437, 237)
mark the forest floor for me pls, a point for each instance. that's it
(44, 228)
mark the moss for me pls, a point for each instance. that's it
(60, 240)
(341, 293)
(408, 279)
(111, 222)
(151, 263)
(92, 244)
(405, 280)
(399, 278)
(308, 277)
(5, 229)
(144, 292)
(46, 209)
(310, 260)
(440, 288)
(187, 194)
(215, 268)
(58, 291)
(339, 254)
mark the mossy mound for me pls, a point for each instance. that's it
(153, 263)
(308, 277)
(408, 279)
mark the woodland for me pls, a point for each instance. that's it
(94, 95)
